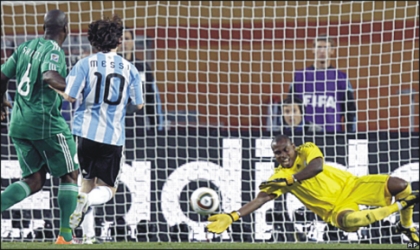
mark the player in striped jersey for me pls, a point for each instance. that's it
(40, 134)
(107, 83)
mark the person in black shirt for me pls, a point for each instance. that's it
(153, 106)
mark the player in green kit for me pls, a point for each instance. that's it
(40, 134)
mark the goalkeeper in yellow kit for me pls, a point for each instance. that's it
(331, 193)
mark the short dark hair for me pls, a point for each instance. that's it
(324, 38)
(294, 100)
(281, 137)
(106, 34)
(55, 21)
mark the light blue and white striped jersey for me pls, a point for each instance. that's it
(107, 82)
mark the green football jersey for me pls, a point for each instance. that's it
(36, 109)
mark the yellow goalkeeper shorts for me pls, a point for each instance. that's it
(368, 190)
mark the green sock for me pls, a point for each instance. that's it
(67, 200)
(13, 194)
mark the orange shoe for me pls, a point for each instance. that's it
(61, 241)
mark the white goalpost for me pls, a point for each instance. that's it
(221, 70)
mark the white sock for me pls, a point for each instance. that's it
(99, 195)
(88, 224)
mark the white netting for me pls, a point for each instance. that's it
(220, 68)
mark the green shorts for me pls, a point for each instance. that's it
(56, 153)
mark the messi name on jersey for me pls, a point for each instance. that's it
(94, 63)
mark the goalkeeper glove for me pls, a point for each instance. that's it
(278, 183)
(221, 222)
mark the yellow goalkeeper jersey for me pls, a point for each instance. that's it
(320, 193)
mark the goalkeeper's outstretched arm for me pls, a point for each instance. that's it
(256, 203)
(220, 222)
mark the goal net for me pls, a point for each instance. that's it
(221, 70)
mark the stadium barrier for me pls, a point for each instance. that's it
(163, 169)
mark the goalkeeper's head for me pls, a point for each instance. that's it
(106, 34)
(284, 150)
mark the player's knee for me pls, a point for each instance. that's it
(35, 182)
(70, 177)
(350, 229)
(396, 185)
(113, 190)
(341, 218)
(342, 222)
(102, 183)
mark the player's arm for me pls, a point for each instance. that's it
(256, 203)
(5, 103)
(315, 159)
(53, 61)
(314, 167)
(76, 80)
(54, 80)
(136, 88)
(4, 83)
(8, 71)
(315, 162)
(220, 222)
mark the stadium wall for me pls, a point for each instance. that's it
(205, 53)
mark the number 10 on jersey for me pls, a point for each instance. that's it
(108, 85)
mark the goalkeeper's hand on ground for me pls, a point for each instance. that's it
(221, 222)
(278, 183)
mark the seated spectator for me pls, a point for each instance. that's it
(326, 92)
(292, 116)
(289, 118)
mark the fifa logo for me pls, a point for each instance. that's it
(319, 101)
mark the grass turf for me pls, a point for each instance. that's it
(199, 245)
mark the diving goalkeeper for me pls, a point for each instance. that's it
(331, 193)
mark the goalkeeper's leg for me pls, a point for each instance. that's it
(352, 219)
(403, 194)
(401, 189)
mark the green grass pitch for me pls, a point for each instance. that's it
(199, 245)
